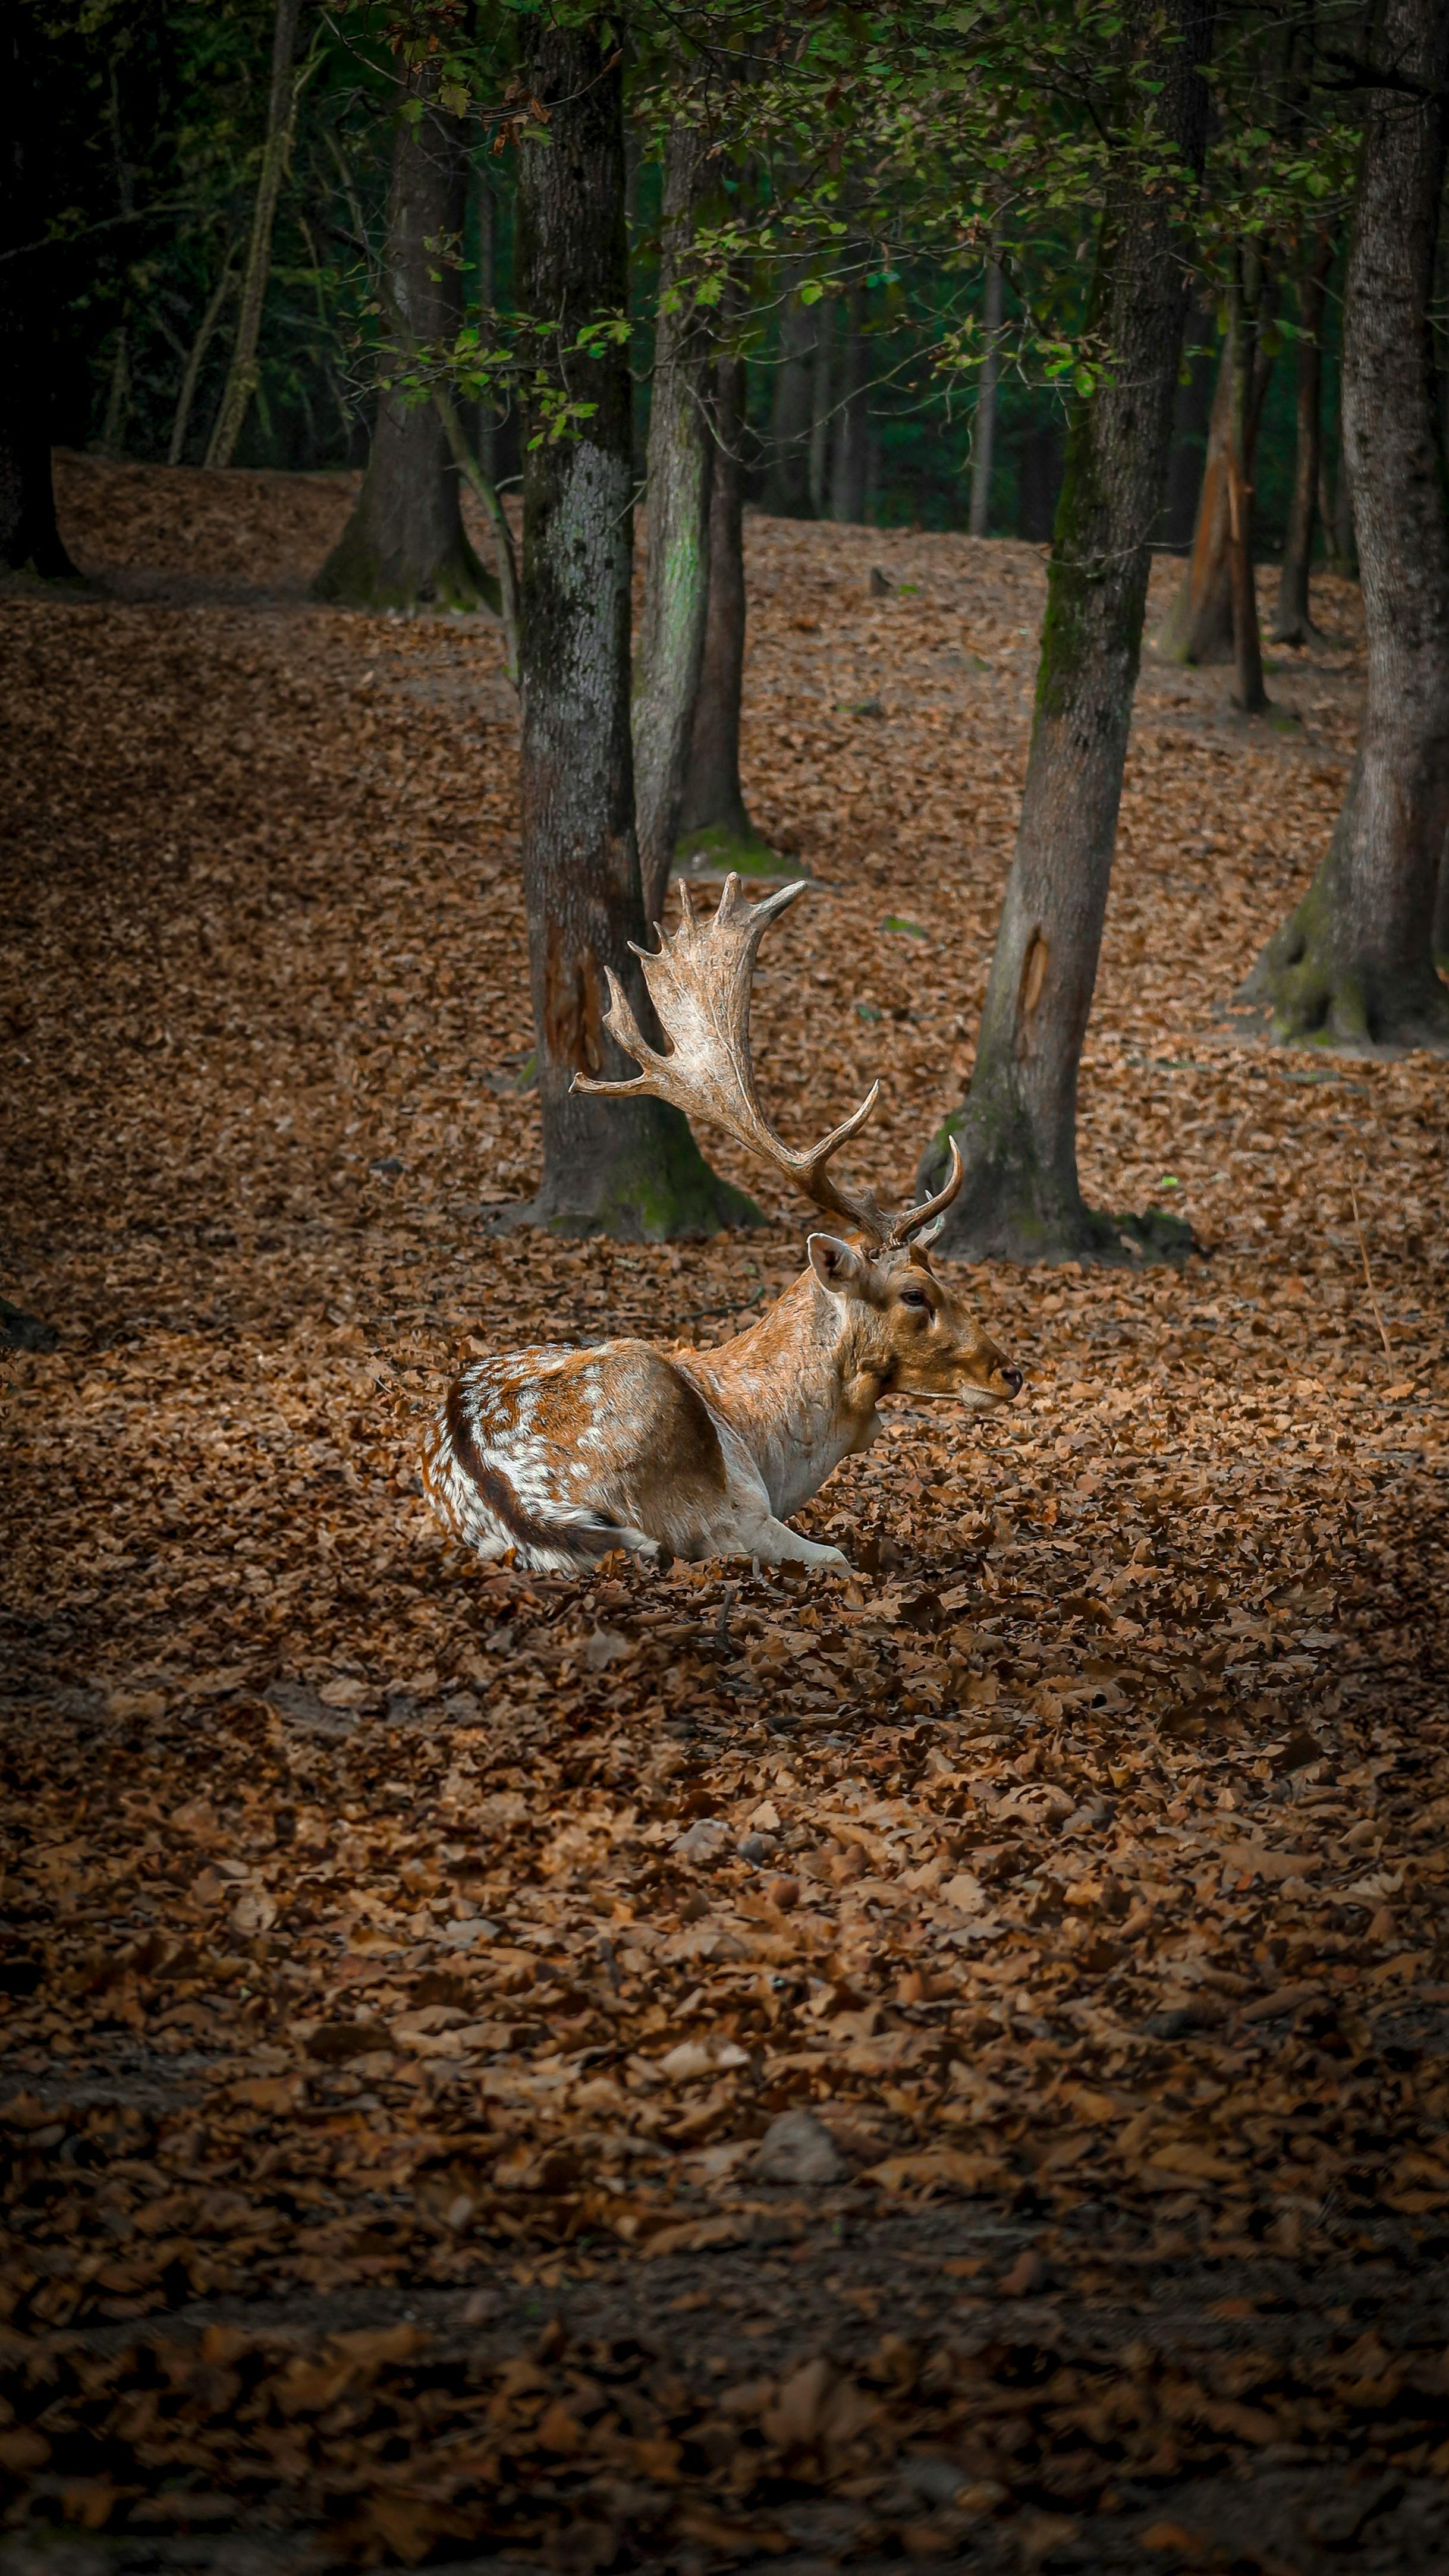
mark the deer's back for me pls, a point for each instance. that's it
(554, 1453)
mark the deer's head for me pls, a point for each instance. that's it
(907, 1329)
(902, 1324)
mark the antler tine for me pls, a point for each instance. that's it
(699, 983)
(917, 1219)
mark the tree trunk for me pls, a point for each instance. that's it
(1021, 1199)
(241, 378)
(787, 483)
(715, 827)
(822, 409)
(1292, 623)
(196, 355)
(676, 582)
(1192, 411)
(983, 431)
(850, 445)
(486, 433)
(622, 1167)
(30, 541)
(1353, 967)
(1245, 324)
(1199, 625)
(404, 545)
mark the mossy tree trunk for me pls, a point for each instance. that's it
(1353, 967)
(30, 540)
(623, 1167)
(241, 375)
(1292, 623)
(714, 823)
(676, 583)
(404, 544)
(1021, 1199)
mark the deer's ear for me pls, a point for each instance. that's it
(837, 1266)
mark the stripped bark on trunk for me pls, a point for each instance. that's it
(676, 582)
(1353, 967)
(404, 545)
(622, 1167)
(241, 380)
(1198, 627)
(1021, 1199)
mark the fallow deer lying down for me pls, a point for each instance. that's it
(558, 1455)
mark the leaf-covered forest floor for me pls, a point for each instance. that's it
(408, 1963)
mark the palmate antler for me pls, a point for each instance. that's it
(699, 983)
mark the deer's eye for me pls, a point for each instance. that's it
(917, 1298)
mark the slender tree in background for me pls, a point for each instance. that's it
(30, 540)
(1354, 966)
(850, 440)
(241, 380)
(630, 1167)
(1191, 413)
(1246, 290)
(715, 826)
(1292, 623)
(1017, 1128)
(404, 544)
(676, 584)
(787, 481)
(983, 429)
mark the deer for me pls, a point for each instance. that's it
(555, 1457)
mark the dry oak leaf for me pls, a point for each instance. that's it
(937, 2169)
(694, 2057)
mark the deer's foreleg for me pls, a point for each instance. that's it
(772, 1542)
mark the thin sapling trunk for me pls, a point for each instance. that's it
(1292, 623)
(983, 428)
(241, 380)
(1244, 312)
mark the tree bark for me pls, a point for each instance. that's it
(623, 1167)
(1245, 310)
(1021, 1199)
(1353, 967)
(787, 483)
(404, 544)
(1198, 628)
(241, 378)
(1192, 410)
(715, 827)
(983, 430)
(676, 582)
(1292, 623)
(195, 358)
(30, 540)
(822, 414)
(850, 444)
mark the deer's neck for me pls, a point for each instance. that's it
(797, 1389)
